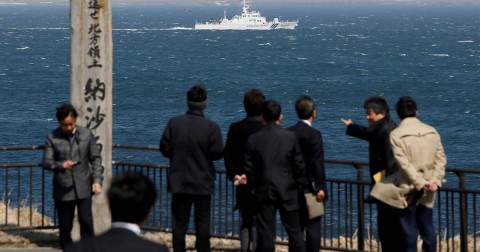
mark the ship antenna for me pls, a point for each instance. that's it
(244, 7)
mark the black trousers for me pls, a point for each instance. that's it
(66, 214)
(181, 207)
(312, 228)
(389, 230)
(266, 231)
(248, 231)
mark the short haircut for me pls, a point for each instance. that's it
(271, 111)
(253, 102)
(197, 93)
(377, 104)
(130, 197)
(304, 107)
(65, 110)
(406, 107)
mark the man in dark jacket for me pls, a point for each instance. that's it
(235, 149)
(275, 170)
(311, 144)
(192, 143)
(382, 163)
(71, 153)
(130, 198)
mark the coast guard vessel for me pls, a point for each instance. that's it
(247, 20)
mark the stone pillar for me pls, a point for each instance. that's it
(91, 84)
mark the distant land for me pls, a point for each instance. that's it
(257, 2)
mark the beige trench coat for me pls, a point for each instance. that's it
(419, 153)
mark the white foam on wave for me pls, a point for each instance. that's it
(439, 54)
(180, 28)
(2, 3)
(465, 41)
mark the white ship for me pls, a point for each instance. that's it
(247, 20)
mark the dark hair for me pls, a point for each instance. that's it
(304, 107)
(253, 102)
(197, 97)
(65, 110)
(406, 107)
(197, 93)
(271, 111)
(130, 197)
(377, 104)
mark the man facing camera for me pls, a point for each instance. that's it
(131, 197)
(72, 155)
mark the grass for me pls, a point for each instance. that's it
(11, 237)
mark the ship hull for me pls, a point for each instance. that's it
(236, 26)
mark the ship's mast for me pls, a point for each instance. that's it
(245, 7)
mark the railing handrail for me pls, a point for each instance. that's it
(355, 188)
(354, 163)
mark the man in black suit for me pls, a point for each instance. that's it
(192, 142)
(382, 163)
(275, 169)
(311, 144)
(235, 149)
(130, 198)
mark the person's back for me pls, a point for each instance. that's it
(130, 198)
(420, 138)
(191, 150)
(311, 145)
(275, 170)
(116, 240)
(277, 158)
(235, 149)
(192, 142)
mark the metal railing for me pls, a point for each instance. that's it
(349, 223)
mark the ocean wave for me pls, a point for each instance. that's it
(465, 41)
(439, 54)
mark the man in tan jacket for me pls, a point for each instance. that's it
(421, 160)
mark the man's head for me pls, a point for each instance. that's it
(271, 111)
(253, 102)
(130, 197)
(197, 97)
(376, 108)
(406, 107)
(305, 108)
(67, 118)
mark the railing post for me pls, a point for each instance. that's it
(463, 214)
(361, 210)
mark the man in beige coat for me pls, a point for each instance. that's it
(421, 160)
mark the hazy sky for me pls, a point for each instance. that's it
(259, 2)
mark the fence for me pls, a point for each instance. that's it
(349, 223)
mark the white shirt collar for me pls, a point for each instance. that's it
(130, 226)
(307, 122)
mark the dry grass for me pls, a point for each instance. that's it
(10, 238)
(22, 217)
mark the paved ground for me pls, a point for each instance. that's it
(31, 250)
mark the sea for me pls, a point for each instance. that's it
(339, 55)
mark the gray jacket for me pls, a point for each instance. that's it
(82, 148)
